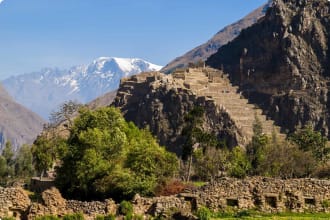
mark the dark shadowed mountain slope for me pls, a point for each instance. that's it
(283, 63)
(17, 124)
(227, 34)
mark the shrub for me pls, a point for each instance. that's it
(171, 187)
(107, 217)
(125, 208)
(243, 213)
(76, 216)
(203, 213)
(325, 203)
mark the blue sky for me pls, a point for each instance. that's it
(62, 33)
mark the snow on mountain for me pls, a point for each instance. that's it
(45, 90)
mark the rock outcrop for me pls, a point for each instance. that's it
(282, 63)
(161, 102)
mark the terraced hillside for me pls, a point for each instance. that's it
(160, 102)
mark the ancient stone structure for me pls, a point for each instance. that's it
(161, 101)
(13, 202)
(264, 194)
(284, 68)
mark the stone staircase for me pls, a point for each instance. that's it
(216, 85)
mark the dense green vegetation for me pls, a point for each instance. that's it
(104, 156)
(17, 167)
(205, 157)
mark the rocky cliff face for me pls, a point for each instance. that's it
(282, 63)
(160, 102)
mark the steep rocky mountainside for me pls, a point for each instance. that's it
(17, 124)
(282, 63)
(44, 91)
(221, 38)
(161, 102)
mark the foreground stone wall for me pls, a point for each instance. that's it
(13, 202)
(264, 194)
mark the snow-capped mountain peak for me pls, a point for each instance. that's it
(43, 91)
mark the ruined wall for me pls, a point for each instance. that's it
(264, 194)
(13, 202)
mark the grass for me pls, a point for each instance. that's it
(280, 216)
(198, 183)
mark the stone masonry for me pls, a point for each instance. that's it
(261, 193)
(151, 99)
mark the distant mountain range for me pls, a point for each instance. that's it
(221, 38)
(17, 124)
(44, 91)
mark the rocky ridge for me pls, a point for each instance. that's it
(221, 38)
(285, 67)
(160, 102)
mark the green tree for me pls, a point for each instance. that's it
(211, 163)
(44, 154)
(256, 149)
(284, 159)
(196, 138)
(109, 157)
(309, 140)
(23, 162)
(239, 163)
(8, 154)
(3, 166)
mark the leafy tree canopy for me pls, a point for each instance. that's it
(107, 156)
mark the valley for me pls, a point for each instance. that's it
(236, 128)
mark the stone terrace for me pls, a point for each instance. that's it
(215, 84)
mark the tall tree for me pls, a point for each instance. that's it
(109, 157)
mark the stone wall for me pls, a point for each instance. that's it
(264, 194)
(13, 202)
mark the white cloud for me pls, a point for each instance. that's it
(1, 1)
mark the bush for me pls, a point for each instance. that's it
(171, 187)
(76, 216)
(325, 203)
(107, 217)
(126, 208)
(203, 213)
(109, 157)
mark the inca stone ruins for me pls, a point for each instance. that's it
(265, 194)
(155, 97)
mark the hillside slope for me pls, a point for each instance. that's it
(282, 63)
(17, 124)
(221, 38)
